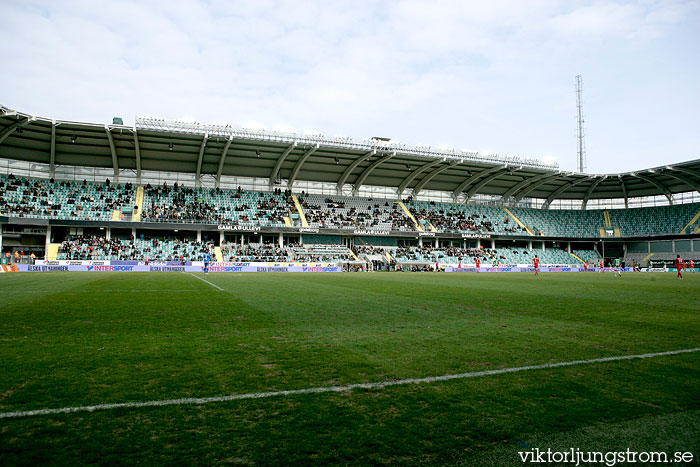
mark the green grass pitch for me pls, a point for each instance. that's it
(80, 339)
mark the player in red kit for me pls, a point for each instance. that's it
(536, 262)
(478, 264)
(691, 265)
(679, 266)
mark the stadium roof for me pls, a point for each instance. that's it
(217, 150)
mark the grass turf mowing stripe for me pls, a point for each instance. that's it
(349, 387)
(204, 280)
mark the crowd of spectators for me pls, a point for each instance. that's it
(48, 198)
(24, 197)
(178, 204)
(267, 252)
(144, 248)
(362, 214)
(453, 221)
(369, 250)
(445, 254)
(91, 247)
(321, 253)
(213, 206)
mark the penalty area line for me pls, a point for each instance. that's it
(325, 389)
(204, 280)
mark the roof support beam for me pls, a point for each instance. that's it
(351, 168)
(300, 162)
(198, 174)
(424, 181)
(624, 190)
(220, 170)
(682, 178)
(52, 154)
(458, 191)
(412, 176)
(692, 173)
(279, 163)
(113, 150)
(137, 149)
(525, 183)
(8, 131)
(590, 191)
(533, 186)
(492, 176)
(561, 190)
(658, 185)
(363, 176)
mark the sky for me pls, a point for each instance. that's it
(495, 77)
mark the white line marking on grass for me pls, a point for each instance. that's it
(317, 390)
(52, 291)
(204, 280)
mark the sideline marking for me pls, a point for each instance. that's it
(349, 387)
(204, 280)
(102, 290)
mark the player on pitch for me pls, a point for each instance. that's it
(679, 266)
(207, 260)
(536, 263)
(478, 263)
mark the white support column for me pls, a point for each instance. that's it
(568, 247)
(673, 243)
(493, 244)
(261, 240)
(52, 154)
(199, 235)
(133, 233)
(691, 242)
(529, 245)
(48, 240)
(108, 233)
(420, 242)
(478, 243)
(138, 157)
(542, 246)
(221, 237)
(281, 240)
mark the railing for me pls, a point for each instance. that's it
(196, 128)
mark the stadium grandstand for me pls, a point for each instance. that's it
(172, 191)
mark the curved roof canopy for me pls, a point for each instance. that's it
(217, 150)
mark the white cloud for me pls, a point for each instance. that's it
(484, 74)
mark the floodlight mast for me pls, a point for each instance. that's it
(580, 136)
